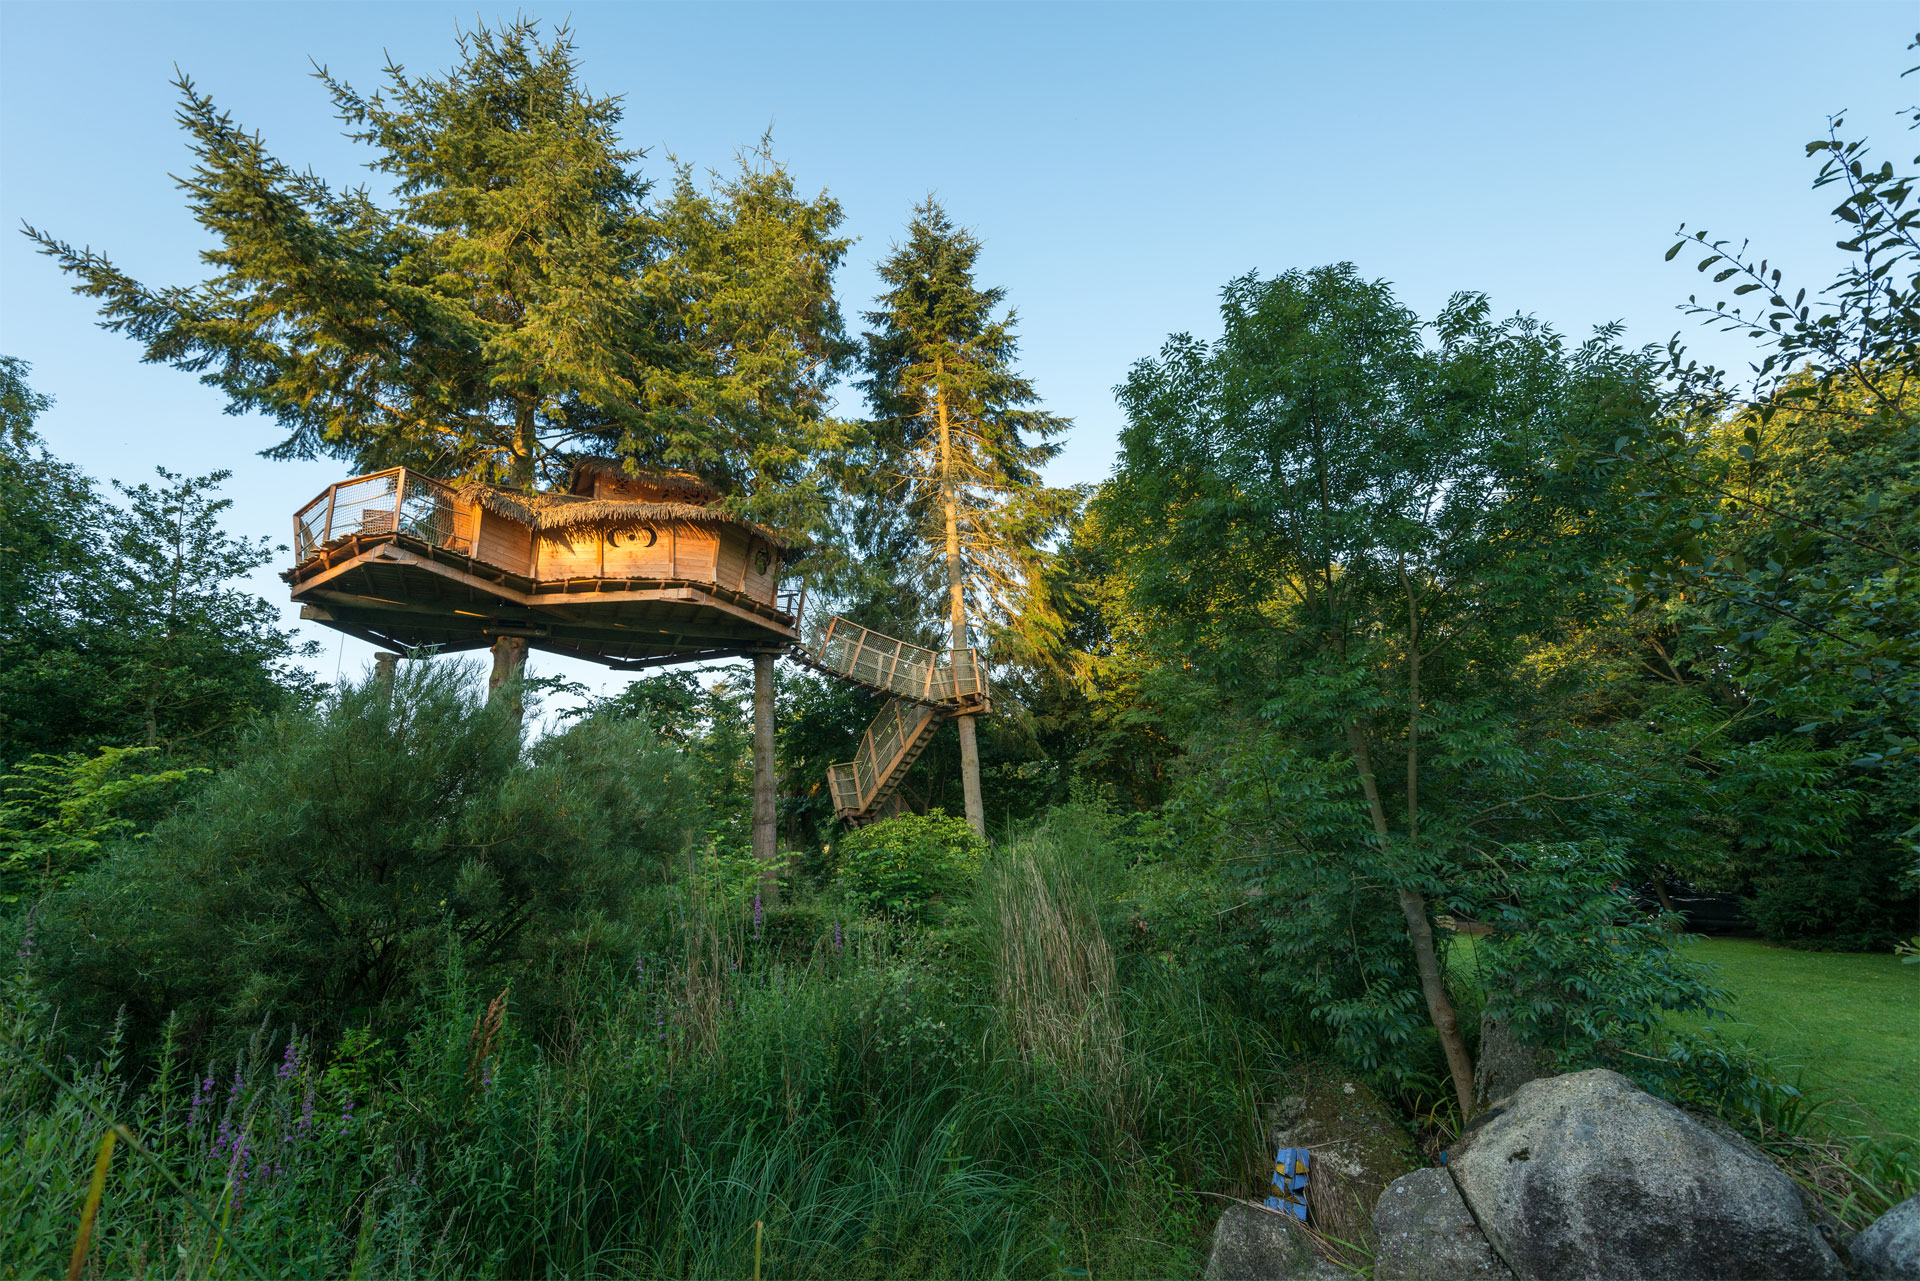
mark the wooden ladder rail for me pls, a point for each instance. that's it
(895, 740)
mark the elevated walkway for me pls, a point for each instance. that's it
(926, 687)
(863, 786)
(953, 679)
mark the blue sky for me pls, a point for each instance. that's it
(1120, 161)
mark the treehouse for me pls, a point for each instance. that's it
(631, 571)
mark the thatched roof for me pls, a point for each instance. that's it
(551, 512)
(676, 484)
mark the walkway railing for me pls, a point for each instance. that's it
(895, 667)
(891, 743)
(385, 502)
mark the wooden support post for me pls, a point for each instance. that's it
(765, 837)
(383, 665)
(509, 661)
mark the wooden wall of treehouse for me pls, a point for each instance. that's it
(723, 555)
(502, 542)
(727, 556)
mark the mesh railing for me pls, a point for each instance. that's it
(384, 503)
(867, 656)
(893, 732)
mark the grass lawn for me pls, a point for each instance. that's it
(1848, 1023)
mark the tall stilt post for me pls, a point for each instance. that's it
(957, 608)
(383, 665)
(509, 660)
(765, 837)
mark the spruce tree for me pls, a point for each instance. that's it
(958, 441)
(517, 305)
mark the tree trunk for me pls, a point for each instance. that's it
(509, 661)
(957, 611)
(765, 843)
(525, 446)
(1420, 933)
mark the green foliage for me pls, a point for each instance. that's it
(863, 1107)
(323, 876)
(1572, 964)
(518, 304)
(1791, 506)
(1054, 975)
(956, 444)
(711, 725)
(908, 865)
(1354, 526)
(120, 623)
(57, 813)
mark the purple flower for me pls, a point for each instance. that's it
(26, 939)
(237, 1171)
(486, 1075)
(756, 914)
(836, 936)
(290, 1061)
(306, 1110)
(346, 1116)
(640, 968)
(202, 1095)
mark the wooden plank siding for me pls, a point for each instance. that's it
(503, 542)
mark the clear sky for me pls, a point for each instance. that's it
(1121, 162)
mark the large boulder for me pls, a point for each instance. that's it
(1584, 1176)
(1255, 1244)
(1424, 1233)
(1357, 1147)
(1890, 1249)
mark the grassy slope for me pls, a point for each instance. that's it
(1850, 1022)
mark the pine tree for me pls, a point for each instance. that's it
(957, 446)
(519, 304)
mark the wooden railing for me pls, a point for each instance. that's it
(393, 501)
(890, 743)
(871, 658)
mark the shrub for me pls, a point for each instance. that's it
(908, 865)
(319, 879)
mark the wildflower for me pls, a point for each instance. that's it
(290, 1061)
(640, 968)
(237, 1171)
(346, 1116)
(836, 936)
(756, 915)
(306, 1110)
(486, 1076)
(26, 938)
(202, 1095)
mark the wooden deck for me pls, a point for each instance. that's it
(398, 559)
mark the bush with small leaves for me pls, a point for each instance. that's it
(909, 866)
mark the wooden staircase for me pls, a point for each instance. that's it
(927, 688)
